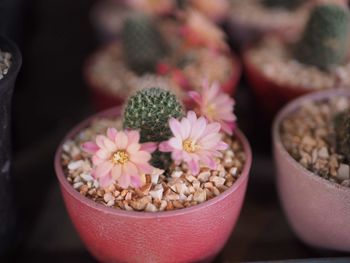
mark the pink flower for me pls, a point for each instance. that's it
(195, 142)
(119, 157)
(200, 31)
(215, 106)
(215, 10)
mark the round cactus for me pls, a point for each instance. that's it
(342, 133)
(149, 110)
(142, 43)
(286, 4)
(325, 41)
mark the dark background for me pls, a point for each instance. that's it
(50, 97)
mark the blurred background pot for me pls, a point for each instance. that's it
(318, 210)
(186, 235)
(271, 96)
(7, 206)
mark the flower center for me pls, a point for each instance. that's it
(189, 145)
(120, 157)
(211, 109)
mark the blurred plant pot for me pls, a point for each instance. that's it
(270, 95)
(7, 207)
(229, 86)
(103, 98)
(107, 18)
(317, 209)
(198, 232)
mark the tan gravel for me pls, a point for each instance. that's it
(163, 190)
(308, 135)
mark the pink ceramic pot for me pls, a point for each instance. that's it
(191, 234)
(317, 209)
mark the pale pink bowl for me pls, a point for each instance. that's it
(188, 235)
(317, 209)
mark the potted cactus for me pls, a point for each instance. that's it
(280, 71)
(311, 152)
(108, 16)
(10, 63)
(251, 19)
(135, 178)
(150, 48)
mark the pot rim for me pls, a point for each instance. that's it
(135, 214)
(287, 110)
(8, 45)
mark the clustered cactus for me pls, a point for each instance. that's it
(286, 4)
(342, 133)
(325, 41)
(149, 111)
(142, 43)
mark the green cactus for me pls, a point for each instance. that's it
(285, 4)
(142, 43)
(149, 111)
(325, 41)
(342, 133)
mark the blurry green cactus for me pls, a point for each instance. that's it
(149, 111)
(342, 133)
(286, 4)
(325, 41)
(142, 43)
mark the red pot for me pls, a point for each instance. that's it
(187, 235)
(318, 210)
(102, 99)
(270, 95)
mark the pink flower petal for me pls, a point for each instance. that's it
(121, 140)
(103, 154)
(109, 145)
(96, 160)
(185, 128)
(165, 147)
(194, 167)
(209, 161)
(228, 127)
(140, 157)
(111, 133)
(195, 96)
(99, 141)
(149, 147)
(116, 172)
(133, 137)
(135, 181)
(175, 143)
(130, 168)
(90, 147)
(198, 128)
(176, 155)
(133, 148)
(124, 180)
(106, 180)
(144, 168)
(103, 169)
(175, 127)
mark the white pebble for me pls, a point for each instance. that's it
(77, 185)
(75, 165)
(204, 176)
(86, 177)
(343, 172)
(323, 153)
(176, 174)
(151, 208)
